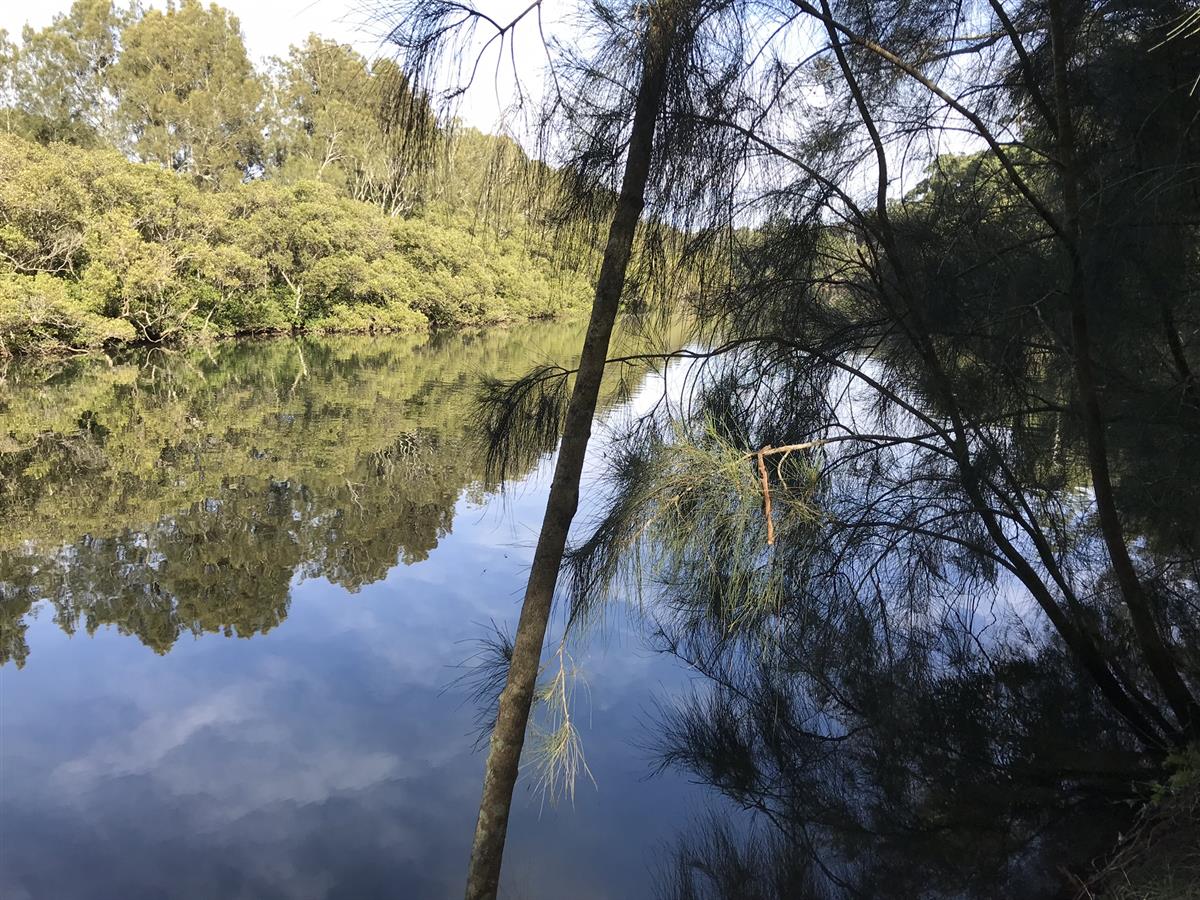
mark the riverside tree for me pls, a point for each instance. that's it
(187, 94)
(937, 441)
(931, 485)
(60, 74)
(333, 124)
(647, 40)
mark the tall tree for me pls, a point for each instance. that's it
(332, 125)
(188, 96)
(655, 34)
(60, 73)
(8, 65)
(328, 112)
(508, 734)
(1065, 36)
(872, 74)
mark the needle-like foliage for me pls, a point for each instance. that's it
(690, 509)
(949, 250)
(522, 419)
(556, 751)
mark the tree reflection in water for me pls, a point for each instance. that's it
(182, 493)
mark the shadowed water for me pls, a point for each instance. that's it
(234, 587)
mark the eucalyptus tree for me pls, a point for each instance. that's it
(326, 110)
(60, 73)
(8, 60)
(187, 94)
(333, 124)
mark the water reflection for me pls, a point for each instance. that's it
(181, 493)
(166, 499)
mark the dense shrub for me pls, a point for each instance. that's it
(97, 249)
(40, 314)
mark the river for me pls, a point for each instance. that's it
(237, 586)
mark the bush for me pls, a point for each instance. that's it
(96, 249)
(1159, 857)
(38, 314)
(370, 318)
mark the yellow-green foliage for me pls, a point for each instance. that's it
(95, 249)
(167, 190)
(39, 313)
(168, 492)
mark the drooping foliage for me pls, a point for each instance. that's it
(924, 510)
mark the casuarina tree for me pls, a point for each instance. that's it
(652, 32)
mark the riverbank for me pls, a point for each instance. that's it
(31, 337)
(99, 252)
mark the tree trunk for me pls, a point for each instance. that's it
(508, 735)
(1154, 649)
(1183, 369)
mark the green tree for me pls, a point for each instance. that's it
(328, 125)
(332, 125)
(8, 65)
(913, 402)
(188, 96)
(427, 28)
(917, 402)
(60, 74)
(148, 249)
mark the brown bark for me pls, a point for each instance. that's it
(1154, 650)
(508, 735)
(766, 489)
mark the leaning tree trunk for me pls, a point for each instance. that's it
(508, 735)
(1141, 615)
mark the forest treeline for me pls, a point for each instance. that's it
(155, 186)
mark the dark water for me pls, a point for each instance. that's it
(234, 587)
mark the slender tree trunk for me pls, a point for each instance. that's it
(1141, 615)
(508, 735)
(1183, 370)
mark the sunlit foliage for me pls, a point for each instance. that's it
(155, 187)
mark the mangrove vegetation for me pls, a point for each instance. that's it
(155, 187)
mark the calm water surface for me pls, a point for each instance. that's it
(234, 587)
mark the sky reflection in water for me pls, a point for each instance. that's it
(325, 758)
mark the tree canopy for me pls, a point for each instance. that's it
(156, 187)
(187, 94)
(928, 483)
